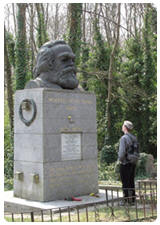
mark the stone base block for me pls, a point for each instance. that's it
(55, 156)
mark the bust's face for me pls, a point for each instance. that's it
(63, 71)
(64, 57)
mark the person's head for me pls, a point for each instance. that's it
(55, 64)
(127, 126)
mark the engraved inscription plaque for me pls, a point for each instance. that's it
(71, 146)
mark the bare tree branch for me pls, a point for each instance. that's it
(98, 14)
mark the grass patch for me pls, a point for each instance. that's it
(99, 214)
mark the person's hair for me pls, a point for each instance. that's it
(45, 57)
(128, 125)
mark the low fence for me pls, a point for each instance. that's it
(143, 187)
(144, 208)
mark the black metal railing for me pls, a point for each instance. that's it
(144, 208)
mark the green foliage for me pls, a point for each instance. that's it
(99, 88)
(130, 89)
(30, 63)
(8, 184)
(109, 153)
(149, 80)
(137, 91)
(110, 173)
(8, 146)
(107, 173)
(83, 65)
(101, 51)
(99, 62)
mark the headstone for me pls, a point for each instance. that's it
(55, 144)
(149, 165)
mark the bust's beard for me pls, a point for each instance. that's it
(67, 78)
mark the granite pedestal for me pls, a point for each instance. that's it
(55, 157)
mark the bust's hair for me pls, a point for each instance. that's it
(46, 57)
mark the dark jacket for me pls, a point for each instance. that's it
(125, 142)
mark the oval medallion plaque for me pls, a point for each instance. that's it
(28, 105)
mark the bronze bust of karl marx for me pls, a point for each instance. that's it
(55, 67)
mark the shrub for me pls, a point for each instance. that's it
(108, 172)
(109, 153)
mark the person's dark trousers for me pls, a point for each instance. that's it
(127, 174)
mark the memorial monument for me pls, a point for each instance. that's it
(55, 140)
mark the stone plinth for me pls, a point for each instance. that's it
(18, 205)
(56, 155)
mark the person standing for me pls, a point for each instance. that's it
(127, 166)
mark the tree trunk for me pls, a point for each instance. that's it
(21, 66)
(46, 21)
(105, 26)
(8, 74)
(14, 19)
(135, 19)
(110, 73)
(42, 34)
(56, 22)
(75, 28)
(84, 23)
(44, 27)
(40, 42)
(32, 37)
